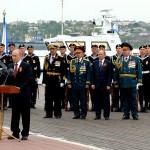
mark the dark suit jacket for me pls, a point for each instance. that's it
(101, 77)
(23, 79)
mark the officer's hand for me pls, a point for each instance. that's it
(61, 84)
(108, 87)
(69, 86)
(87, 86)
(93, 87)
(138, 85)
(36, 79)
(116, 86)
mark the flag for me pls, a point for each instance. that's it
(115, 28)
(4, 36)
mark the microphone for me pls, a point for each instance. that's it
(9, 72)
(3, 71)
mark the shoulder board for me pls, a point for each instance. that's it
(86, 59)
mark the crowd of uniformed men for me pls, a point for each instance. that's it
(70, 80)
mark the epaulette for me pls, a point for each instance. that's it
(86, 59)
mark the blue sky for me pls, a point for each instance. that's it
(33, 10)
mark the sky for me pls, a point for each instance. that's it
(81, 10)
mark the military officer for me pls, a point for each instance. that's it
(22, 47)
(127, 73)
(63, 89)
(116, 101)
(147, 50)
(34, 61)
(5, 59)
(78, 81)
(70, 56)
(144, 89)
(92, 58)
(11, 48)
(53, 74)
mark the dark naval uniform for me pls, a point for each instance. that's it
(34, 61)
(127, 74)
(5, 59)
(53, 73)
(116, 101)
(79, 77)
(92, 91)
(68, 90)
(144, 89)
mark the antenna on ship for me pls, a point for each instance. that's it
(62, 21)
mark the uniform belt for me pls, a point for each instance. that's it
(53, 74)
(145, 72)
(128, 75)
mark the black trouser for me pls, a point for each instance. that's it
(52, 100)
(102, 102)
(20, 107)
(92, 93)
(33, 92)
(79, 95)
(115, 98)
(63, 95)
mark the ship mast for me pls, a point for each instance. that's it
(62, 21)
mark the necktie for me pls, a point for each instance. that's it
(100, 64)
(52, 59)
(15, 70)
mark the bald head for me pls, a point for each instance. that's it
(16, 55)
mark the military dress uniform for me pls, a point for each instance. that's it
(34, 61)
(92, 91)
(144, 89)
(68, 90)
(63, 89)
(53, 74)
(78, 78)
(127, 73)
(115, 96)
(5, 59)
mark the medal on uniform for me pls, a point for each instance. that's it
(132, 64)
(57, 63)
(28, 61)
(83, 69)
(146, 62)
(34, 61)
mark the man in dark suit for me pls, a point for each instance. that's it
(101, 82)
(20, 102)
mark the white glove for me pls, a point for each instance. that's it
(137, 86)
(44, 85)
(61, 84)
(36, 79)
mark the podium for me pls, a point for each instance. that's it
(4, 89)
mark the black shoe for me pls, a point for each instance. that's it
(11, 138)
(125, 117)
(76, 117)
(57, 117)
(47, 116)
(97, 118)
(5, 107)
(9, 106)
(106, 118)
(83, 117)
(24, 138)
(135, 118)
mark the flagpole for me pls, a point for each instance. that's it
(62, 21)
(4, 37)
